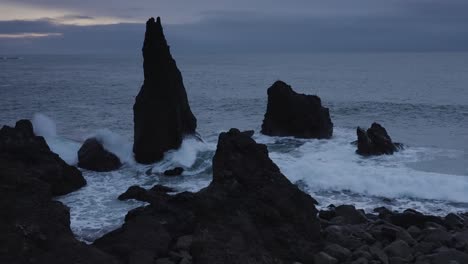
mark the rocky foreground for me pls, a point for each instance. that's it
(250, 213)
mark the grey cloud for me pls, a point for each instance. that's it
(407, 26)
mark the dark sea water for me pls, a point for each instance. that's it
(421, 98)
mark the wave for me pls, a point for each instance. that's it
(333, 165)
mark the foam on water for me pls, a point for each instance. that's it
(95, 209)
(44, 126)
(114, 143)
(331, 172)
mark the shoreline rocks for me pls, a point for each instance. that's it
(292, 114)
(375, 141)
(250, 213)
(92, 156)
(162, 115)
(34, 228)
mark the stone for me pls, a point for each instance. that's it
(291, 114)
(93, 156)
(162, 115)
(338, 252)
(174, 172)
(250, 210)
(400, 249)
(324, 258)
(375, 141)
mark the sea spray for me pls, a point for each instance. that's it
(46, 127)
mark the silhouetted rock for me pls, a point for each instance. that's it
(292, 114)
(162, 114)
(23, 153)
(375, 141)
(250, 213)
(174, 172)
(93, 156)
(140, 194)
(33, 227)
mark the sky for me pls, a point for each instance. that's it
(95, 26)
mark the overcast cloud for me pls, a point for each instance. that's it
(240, 26)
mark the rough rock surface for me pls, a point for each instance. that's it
(24, 154)
(93, 156)
(375, 141)
(33, 227)
(291, 114)
(393, 237)
(250, 213)
(162, 114)
(174, 172)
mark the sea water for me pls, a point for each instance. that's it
(421, 98)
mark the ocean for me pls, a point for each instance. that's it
(420, 98)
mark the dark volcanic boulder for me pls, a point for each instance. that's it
(162, 114)
(23, 153)
(375, 141)
(33, 227)
(292, 114)
(250, 213)
(174, 172)
(93, 156)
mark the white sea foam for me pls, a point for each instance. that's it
(67, 149)
(332, 165)
(115, 143)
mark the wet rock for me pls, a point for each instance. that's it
(162, 114)
(23, 154)
(324, 258)
(92, 156)
(350, 214)
(338, 252)
(291, 114)
(174, 172)
(184, 242)
(413, 218)
(138, 193)
(34, 228)
(399, 249)
(453, 221)
(375, 141)
(448, 256)
(249, 212)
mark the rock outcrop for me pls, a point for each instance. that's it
(33, 227)
(162, 114)
(299, 115)
(23, 153)
(375, 141)
(93, 156)
(250, 213)
(174, 172)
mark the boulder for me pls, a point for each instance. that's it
(34, 228)
(250, 213)
(174, 172)
(162, 114)
(299, 115)
(93, 156)
(24, 154)
(375, 141)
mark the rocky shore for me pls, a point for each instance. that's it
(249, 213)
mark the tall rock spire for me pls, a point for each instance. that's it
(161, 112)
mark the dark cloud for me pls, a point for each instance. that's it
(402, 26)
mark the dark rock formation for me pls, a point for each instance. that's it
(33, 227)
(93, 156)
(250, 213)
(162, 114)
(375, 141)
(141, 194)
(23, 153)
(292, 114)
(174, 172)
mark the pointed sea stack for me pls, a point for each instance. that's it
(293, 114)
(162, 114)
